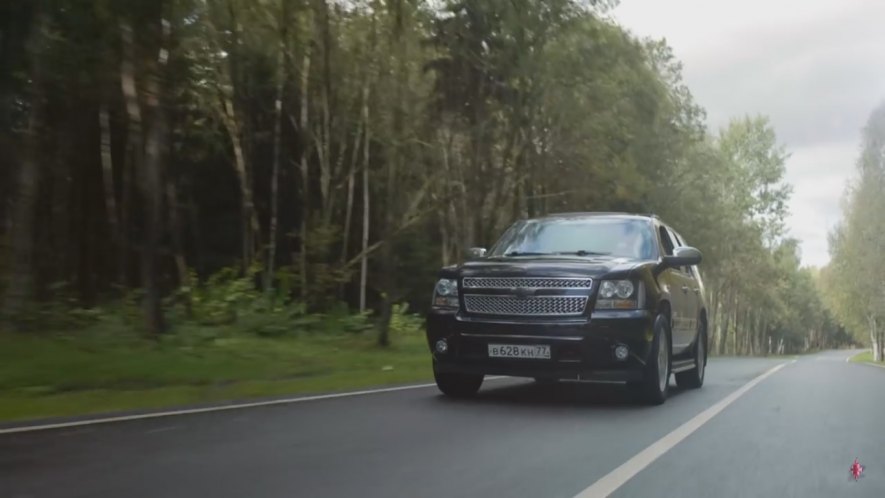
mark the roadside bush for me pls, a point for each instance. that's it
(403, 323)
(223, 307)
(223, 295)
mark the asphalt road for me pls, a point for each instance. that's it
(794, 433)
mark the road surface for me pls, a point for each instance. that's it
(795, 432)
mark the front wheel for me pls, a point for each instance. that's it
(656, 383)
(457, 385)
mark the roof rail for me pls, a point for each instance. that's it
(603, 213)
(570, 213)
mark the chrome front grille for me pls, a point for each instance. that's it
(524, 282)
(485, 304)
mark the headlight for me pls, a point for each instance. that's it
(447, 287)
(445, 294)
(624, 289)
(619, 294)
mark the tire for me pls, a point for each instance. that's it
(654, 387)
(694, 378)
(457, 385)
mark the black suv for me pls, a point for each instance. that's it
(583, 296)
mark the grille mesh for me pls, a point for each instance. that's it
(535, 283)
(537, 306)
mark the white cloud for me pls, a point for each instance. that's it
(815, 68)
(818, 174)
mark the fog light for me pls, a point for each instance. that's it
(621, 352)
(442, 346)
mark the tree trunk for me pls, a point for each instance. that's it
(20, 285)
(324, 147)
(716, 323)
(763, 333)
(107, 167)
(447, 205)
(735, 328)
(724, 336)
(881, 344)
(155, 146)
(757, 325)
(394, 165)
(444, 240)
(134, 140)
(364, 260)
(250, 227)
(196, 236)
(736, 334)
(874, 338)
(712, 316)
(351, 185)
(277, 130)
(184, 281)
(351, 178)
(305, 174)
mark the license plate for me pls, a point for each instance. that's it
(530, 351)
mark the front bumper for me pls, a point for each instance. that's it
(580, 349)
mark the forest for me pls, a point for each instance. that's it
(854, 281)
(265, 167)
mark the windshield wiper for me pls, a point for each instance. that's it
(559, 253)
(528, 253)
(585, 253)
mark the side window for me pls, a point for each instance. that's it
(666, 241)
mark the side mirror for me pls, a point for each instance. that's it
(476, 252)
(683, 256)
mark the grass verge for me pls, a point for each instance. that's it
(58, 375)
(863, 357)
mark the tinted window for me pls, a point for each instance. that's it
(630, 238)
(677, 238)
(679, 243)
(666, 241)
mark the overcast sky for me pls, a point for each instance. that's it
(815, 67)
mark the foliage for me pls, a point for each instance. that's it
(365, 143)
(405, 324)
(854, 279)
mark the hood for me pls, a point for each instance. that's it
(547, 266)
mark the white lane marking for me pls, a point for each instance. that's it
(616, 478)
(237, 406)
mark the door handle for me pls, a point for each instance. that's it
(685, 289)
(697, 291)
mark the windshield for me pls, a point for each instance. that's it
(626, 238)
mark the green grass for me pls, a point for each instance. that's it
(60, 375)
(864, 357)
